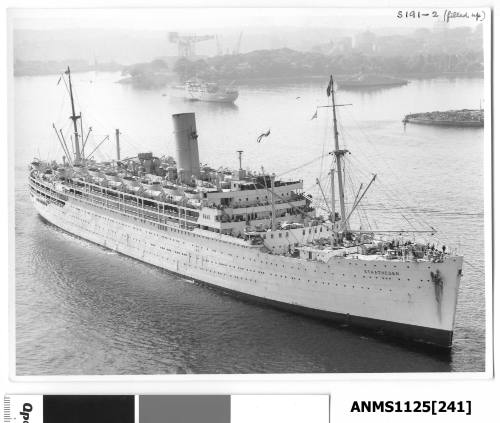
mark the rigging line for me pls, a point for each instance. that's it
(355, 196)
(404, 217)
(383, 207)
(314, 188)
(293, 235)
(255, 186)
(354, 182)
(303, 165)
(62, 104)
(351, 184)
(359, 208)
(325, 129)
(77, 98)
(366, 218)
(66, 128)
(324, 197)
(126, 138)
(65, 83)
(382, 157)
(418, 217)
(389, 212)
(328, 190)
(128, 142)
(361, 151)
(106, 127)
(341, 129)
(397, 198)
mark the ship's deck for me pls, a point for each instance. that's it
(162, 218)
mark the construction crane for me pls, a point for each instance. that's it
(186, 43)
(238, 44)
(218, 39)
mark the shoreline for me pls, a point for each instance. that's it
(286, 78)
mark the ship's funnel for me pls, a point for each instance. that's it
(186, 146)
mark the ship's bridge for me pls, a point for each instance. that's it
(244, 193)
(249, 207)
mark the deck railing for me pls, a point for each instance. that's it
(154, 215)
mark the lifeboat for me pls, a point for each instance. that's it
(62, 172)
(192, 195)
(99, 178)
(132, 185)
(47, 175)
(153, 190)
(93, 171)
(114, 181)
(80, 171)
(35, 165)
(171, 190)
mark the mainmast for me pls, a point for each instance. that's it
(273, 207)
(117, 136)
(74, 118)
(338, 156)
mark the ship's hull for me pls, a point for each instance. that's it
(397, 331)
(399, 298)
(212, 97)
(199, 95)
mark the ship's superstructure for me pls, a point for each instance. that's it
(196, 90)
(252, 234)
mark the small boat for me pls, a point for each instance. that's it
(208, 91)
(457, 118)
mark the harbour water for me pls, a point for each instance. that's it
(81, 309)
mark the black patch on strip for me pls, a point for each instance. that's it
(88, 409)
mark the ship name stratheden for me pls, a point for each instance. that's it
(381, 272)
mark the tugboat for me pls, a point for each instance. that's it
(208, 91)
(252, 234)
(457, 118)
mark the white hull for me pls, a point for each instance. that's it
(399, 297)
(200, 95)
(212, 97)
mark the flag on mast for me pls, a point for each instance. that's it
(315, 115)
(330, 86)
(265, 134)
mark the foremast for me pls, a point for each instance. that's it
(339, 154)
(74, 117)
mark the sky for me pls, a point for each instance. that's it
(197, 19)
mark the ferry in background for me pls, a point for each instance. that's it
(207, 91)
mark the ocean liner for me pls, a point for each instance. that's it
(251, 234)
